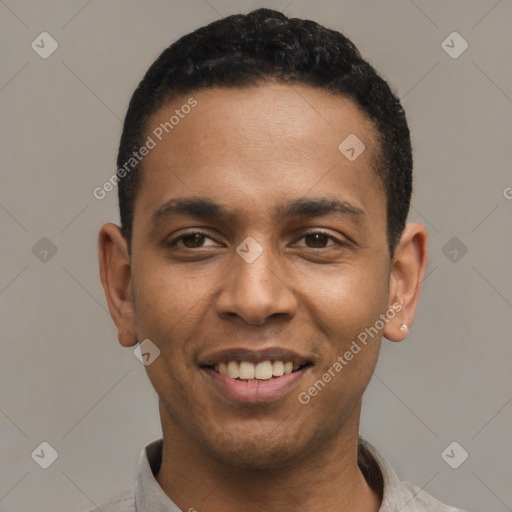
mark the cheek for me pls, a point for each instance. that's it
(345, 300)
(169, 308)
(168, 304)
(348, 306)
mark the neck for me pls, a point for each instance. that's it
(328, 479)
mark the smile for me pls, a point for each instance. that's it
(248, 371)
(245, 376)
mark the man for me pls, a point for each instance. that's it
(264, 177)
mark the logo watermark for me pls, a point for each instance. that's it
(152, 140)
(305, 397)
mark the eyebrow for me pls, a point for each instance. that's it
(206, 208)
(316, 207)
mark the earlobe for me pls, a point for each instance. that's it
(409, 265)
(115, 274)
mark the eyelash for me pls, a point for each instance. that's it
(176, 240)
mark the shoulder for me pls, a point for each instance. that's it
(417, 500)
(397, 495)
(123, 502)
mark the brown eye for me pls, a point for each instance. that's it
(316, 240)
(193, 241)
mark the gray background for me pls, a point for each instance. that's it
(65, 380)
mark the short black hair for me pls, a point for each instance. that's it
(242, 50)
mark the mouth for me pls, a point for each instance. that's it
(256, 372)
(254, 376)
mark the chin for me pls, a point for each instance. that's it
(258, 451)
(250, 457)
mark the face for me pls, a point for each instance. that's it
(258, 246)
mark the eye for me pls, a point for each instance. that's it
(318, 240)
(197, 239)
(193, 240)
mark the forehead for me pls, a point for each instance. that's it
(261, 144)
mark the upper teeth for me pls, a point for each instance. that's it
(262, 371)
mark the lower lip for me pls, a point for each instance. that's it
(254, 392)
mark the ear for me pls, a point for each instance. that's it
(115, 274)
(408, 269)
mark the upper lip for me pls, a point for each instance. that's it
(253, 356)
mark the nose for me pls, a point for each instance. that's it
(256, 292)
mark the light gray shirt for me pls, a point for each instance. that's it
(148, 496)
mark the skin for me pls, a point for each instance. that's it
(253, 149)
